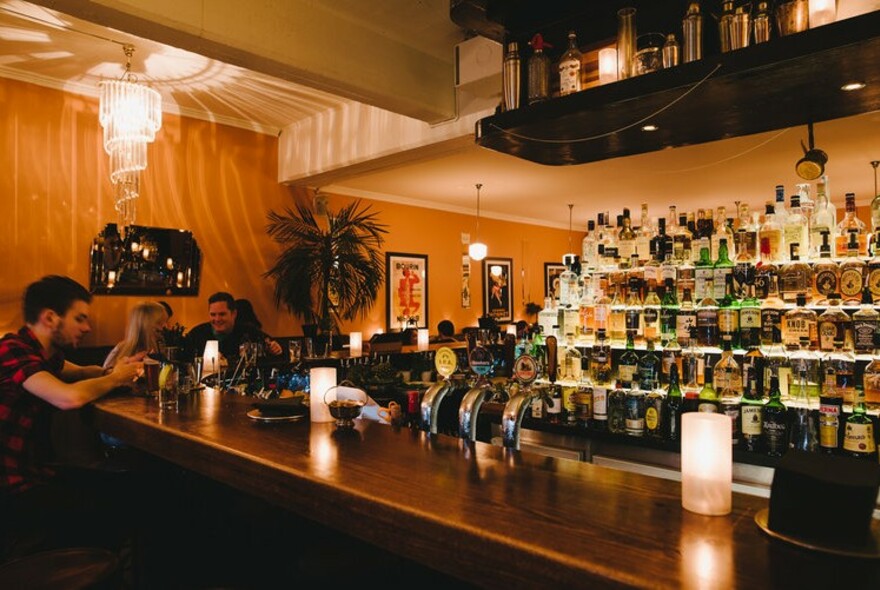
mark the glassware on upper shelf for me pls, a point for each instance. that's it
(538, 71)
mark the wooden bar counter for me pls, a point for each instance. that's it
(486, 515)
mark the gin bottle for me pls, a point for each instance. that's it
(803, 435)
(851, 223)
(795, 230)
(570, 67)
(673, 407)
(823, 219)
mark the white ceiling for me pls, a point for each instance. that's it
(48, 48)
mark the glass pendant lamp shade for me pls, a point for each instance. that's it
(478, 250)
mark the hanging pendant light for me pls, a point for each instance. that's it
(570, 259)
(130, 114)
(478, 250)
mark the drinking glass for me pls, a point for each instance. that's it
(294, 349)
(169, 387)
(309, 347)
(151, 375)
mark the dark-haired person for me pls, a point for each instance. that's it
(41, 507)
(445, 331)
(224, 328)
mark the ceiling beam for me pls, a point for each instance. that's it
(316, 44)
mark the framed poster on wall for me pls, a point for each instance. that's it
(406, 291)
(498, 289)
(552, 270)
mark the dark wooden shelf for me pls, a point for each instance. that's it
(785, 82)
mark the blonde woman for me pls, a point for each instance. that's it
(143, 334)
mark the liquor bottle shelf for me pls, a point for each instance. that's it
(788, 81)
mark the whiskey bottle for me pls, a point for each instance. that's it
(633, 311)
(852, 273)
(729, 384)
(750, 320)
(826, 273)
(800, 324)
(752, 403)
(601, 373)
(773, 423)
(672, 408)
(654, 402)
(865, 324)
(628, 366)
(708, 400)
(858, 435)
(771, 315)
(871, 377)
(671, 356)
(723, 268)
(872, 273)
(682, 240)
(668, 313)
(626, 239)
(649, 369)
(617, 410)
(643, 236)
(570, 68)
(635, 412)
(743, 271)
(617, 319)
(707, 318)
(840, 372)
(685, 319)
(795, 276)
(834, 325)
(746, 235)
(703, 273)
(651, 315)
(728, 315)
(851, 224)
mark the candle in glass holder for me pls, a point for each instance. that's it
(607, 65)
(423, 339)
(706, 463)
(321, 379)
(355, 344)
(822, 12)
(180, 278)
(111, 278)
(211, 357)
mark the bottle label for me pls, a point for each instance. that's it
(667, 320)
(728, 320)
(731, 410)
(707, 319)
(569, 76)
(635, 418)
(652, 418)
(762, 285)
(701, 282)
(797, 328)
(626, 373)
(568, 399)
(826, 282)
(829, 423)
(750, 317)
(538, 408)
(851, 283)
(625, 249)
(683, 324)
(720, 281)
(774, 434)
(874, 282)
(600, 403)
(827, 334)
(708, 407)
(556, 406)
(770, 322)
(632, 318)
(859, 438)
(751, 419)
(652, 273)
(583, 401)
(863, 335)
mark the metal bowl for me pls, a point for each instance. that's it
(345, 411)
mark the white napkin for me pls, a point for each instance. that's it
(371, 410)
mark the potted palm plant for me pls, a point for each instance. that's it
(329, 270)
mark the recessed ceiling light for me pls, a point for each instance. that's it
(649, 128)
(850, 86)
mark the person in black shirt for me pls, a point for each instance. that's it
(225, 328)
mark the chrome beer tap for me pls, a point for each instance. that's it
(526, 371)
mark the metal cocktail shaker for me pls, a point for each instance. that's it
(510, 78)
(692, 29)
(762, 23)
(670, 51)
(739, 29)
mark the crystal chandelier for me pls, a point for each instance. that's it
(130, 114)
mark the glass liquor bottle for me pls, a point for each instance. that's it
(852, 273)
(803, 434)
(835, 324)
(635, 412)
(779, 207)
(633, 312)
(673, 231)
(617, 318)
(770, 237)
(866, 322)
(763, 272)
(851, 223)
(692, 364)
(626, 238)
(671, 355)
(823, 219)
(547, 317)
(686, 273)
(872, 273)
(602, 314)
(651, 316)
(773, 425)
(685, 319)
(858, 433)
(617, 410)
(729, 384)
(830, 416)
(795, 276)
(750, 320)
(707, 318)
(649, 368)
(538, 71)
(644, 235)
(800, 324)
(795, 230)
(728, 315)
(651, 268)
(746, 235)
(570, 67)
(871, 377)
(840, 368)
(654, 402)
(572, 362)
(668, 270)
(771, 315)
(743, 271)
(682, 239)
(628, 366)
(674, 404)
(722, 269)
(704, 272)
(708, 400)
(826, 273)
(668, 313)
(601, 374)
(752, 403)
(587, 312)
(589, 247)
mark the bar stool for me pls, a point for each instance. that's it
(63, 569)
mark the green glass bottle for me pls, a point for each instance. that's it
(723, 268)
(668, 313)
(858, 435)
(773, 425)
(728, 314)
(628, 367)
(708, 399)
(750, 320)
(704, 273)
(673, 406)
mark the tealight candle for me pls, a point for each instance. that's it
(211, 357)
(321, 379)
(822, 12)
(355, 344)
(423, 339)
(607, 65)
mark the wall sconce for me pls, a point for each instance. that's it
(321, 379)
(478, 250)
(423, 339)
(355, 344)
(706, 463)
(822, 12)
(607, 65)
(211, 358)
(812, 165)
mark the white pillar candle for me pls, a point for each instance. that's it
(822, 12)
(706, 463)
(607, 65)
(211, 358)
(423, 339)
(511, 329)
(355, 344)
(321, 379)
(111, 278)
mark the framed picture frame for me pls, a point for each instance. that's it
(552, 270)
(498, 289)
(406, 291)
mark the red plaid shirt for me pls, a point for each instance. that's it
(23, 416)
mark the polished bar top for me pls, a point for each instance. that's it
(488, 515)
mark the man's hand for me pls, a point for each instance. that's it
(128, 369)
(273, 347)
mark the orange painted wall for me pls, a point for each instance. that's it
(219, 182)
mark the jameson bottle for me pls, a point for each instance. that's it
(673, 406)
(858, 437)
(751, 407)
(728, 314)
(773, 426)
(750, 320)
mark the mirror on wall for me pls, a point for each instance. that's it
(140, 260)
